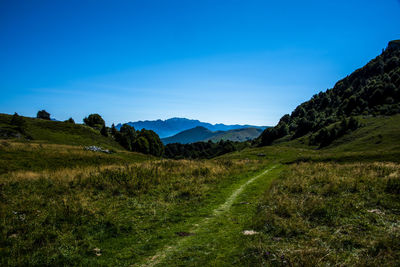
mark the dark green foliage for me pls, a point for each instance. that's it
(326, 136)
(199, 150)
(19, 122)
(142, 145)
(43, 114)
(113, 130)
(104, 131)
(273, 133)
(70, 120)
(126, 136)
(371, 90)
(144, 141)
(156, 147)
(94, 120)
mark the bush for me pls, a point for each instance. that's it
(43, 114)
(104, 131)
(326, 136)
(94, 120)
(19, 122)
(70, 120)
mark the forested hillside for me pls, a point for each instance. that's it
(202, 134)
(371, 90)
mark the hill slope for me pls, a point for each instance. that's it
(170, 127)
(371, 90)
(202, 134)
(196, 134)
(237, 135)
(54, 132)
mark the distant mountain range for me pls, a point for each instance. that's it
(201, 133)
(170, 127)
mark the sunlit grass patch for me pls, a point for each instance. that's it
(58, 217)
(329, 213)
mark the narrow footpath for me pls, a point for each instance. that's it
(212, 240)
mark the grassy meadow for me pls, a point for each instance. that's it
(123, 212)
(62, 205)
(321, 214)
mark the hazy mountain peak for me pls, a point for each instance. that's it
(172, 126)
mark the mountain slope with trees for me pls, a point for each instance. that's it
(195, 134)
(237, 135)
(202, 134)
(170, 127)
(371, 90)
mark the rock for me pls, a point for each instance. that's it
(97, 149)
(261, 155)
(250, 232)
(13, 236)
(97, 252)
(376, 211)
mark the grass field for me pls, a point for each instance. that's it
(58, 218)
(329, 214)
(57, 132)
(62, 205)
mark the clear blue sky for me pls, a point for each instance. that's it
(216, 61)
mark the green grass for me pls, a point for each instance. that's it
(329, 214)
(333, 206)
(126, 212)
(215, 240)
(56, 132)
(56, 145)
(33, 156)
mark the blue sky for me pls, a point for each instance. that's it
(217, 61)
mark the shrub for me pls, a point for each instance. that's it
(43, 114)
(70, 120)
(94, 120)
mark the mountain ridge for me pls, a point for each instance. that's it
(202, 134)
(169, 127)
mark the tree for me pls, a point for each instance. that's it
(142, 145)
(113, 130)
(18, 121)
(104, 131)
(43, 114)
(128, 136)
(94, 120)
(70, 120)
(156, 147)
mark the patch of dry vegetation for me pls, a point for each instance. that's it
(59, 217)
(36, 156)
(329, 213)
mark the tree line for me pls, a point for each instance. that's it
(143, 141)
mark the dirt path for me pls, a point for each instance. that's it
(161, 254)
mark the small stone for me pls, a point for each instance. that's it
(376, 211)
(250, 232)
(97, 252)
(13, 236)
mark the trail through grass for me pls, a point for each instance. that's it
(199, 233)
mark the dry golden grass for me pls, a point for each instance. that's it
(171, 167)
(330, 213)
